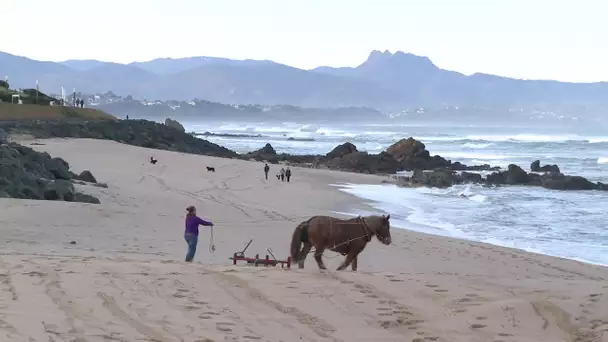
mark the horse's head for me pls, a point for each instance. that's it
(381, 227)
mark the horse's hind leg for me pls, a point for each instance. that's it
(303, 254)
(355, 262)
(319, 257)
(352, 255)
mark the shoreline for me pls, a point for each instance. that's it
(125, 267)
(373, 206)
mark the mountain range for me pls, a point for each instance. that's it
(385, 81)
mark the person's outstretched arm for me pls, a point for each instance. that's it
(203, 222)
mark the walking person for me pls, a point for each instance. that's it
(288, 174)
(191, 234)
(266, 169)
(282, 174)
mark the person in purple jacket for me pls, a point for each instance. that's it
(191, 234)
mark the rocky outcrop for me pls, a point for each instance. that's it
(535, 167)
(27, 174)
(342, 150)
(266, 153)
(406, 154)
(362, 162)
(413, 155)
(514, 175)
(3, 137)
(174, 124)
(86, 176)
(141, 133)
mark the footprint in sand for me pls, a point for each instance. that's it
(477, 326)
(224, 326)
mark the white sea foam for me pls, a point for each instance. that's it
(472, 155)
(602, 160)
(526, 138)
(473, 145)
(465, 212)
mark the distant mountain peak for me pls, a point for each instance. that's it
(399, 57)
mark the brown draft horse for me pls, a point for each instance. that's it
(347, 237)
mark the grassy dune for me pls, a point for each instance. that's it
(11, 112)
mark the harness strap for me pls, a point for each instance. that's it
(366, 230)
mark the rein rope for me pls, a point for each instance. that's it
(211, 243)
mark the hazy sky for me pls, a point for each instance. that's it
(557, 39)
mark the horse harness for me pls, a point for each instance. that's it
(367, 234)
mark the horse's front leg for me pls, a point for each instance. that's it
(303, 254)
(352, 254)
(354, 263)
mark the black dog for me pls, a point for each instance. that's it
(278, 176)
(210, 169)
(153, 161)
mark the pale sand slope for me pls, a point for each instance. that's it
(124, 280)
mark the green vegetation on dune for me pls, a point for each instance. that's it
(37, 106)
(16, 112)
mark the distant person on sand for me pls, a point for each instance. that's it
(191, 234)
(282, 174)
(288, 174)
(266, 169)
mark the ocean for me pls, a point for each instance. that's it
(568, 224)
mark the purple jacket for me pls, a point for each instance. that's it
(192, 223)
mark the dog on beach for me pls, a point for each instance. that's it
(153, 161)
(210, 169)
(279, 177)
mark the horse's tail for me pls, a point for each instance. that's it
(297, 239)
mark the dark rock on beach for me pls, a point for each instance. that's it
(28, 174)
(535, 167)
(342, 150)
(141, 133)
(174, 124)
(405, 155)
(514, 175)
(86, 176)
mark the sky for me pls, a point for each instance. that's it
(533, 39)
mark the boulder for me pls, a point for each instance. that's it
(412, 154)
(86, 176)
(405, 149)
(268, 149)
(342, 150)
(174, 124)
(363, 162)
(440, 178)
(266, 153)
(562, 182)
(28, 174)
(3, 137)
(535, 167)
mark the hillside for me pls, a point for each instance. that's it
(385, 81)
(206, 110)
(12, 112)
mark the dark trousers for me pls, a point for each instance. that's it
(266, 175)
(192, 241)
(288, 178)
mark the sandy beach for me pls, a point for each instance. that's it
(123, 278)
